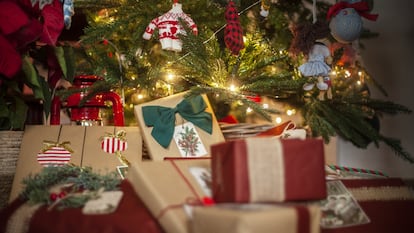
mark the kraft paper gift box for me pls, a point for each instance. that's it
(167, 186)
(253, 218)
(267, 169)
(84, 144)
(158, 151)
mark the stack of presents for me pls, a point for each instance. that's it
(194, 180)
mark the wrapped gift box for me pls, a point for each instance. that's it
(267, 169)
(167, 186)
(252, 218)
(158, 152)
(84, 143)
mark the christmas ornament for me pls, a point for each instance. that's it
(346, 22)
(233, 32)
(68, 12)
(169, 28)
(264, 8)
(310, 39)
(115, 144)
(54, 154)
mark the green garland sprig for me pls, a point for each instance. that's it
(76, 185)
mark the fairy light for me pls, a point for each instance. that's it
(249, 110)
(278, 120)
(170, 76)
(290, 112)
(347, 73)
(265, 106)
(232, 87)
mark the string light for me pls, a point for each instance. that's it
(291, 112)
(278, 120)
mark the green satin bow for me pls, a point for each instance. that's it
(163, 118)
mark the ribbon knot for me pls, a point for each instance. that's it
(361, 7)
(162, 119)
(47, 145)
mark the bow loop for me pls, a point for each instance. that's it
(163, 118)
(47, 145)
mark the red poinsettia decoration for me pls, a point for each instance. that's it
(29, 31)
(21, 24)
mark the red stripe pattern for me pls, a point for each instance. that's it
(112, 145)
(55, 156)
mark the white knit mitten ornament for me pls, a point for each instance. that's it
(169, 28)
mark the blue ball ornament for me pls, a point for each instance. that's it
(346, 26)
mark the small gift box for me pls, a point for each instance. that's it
(178, 126)
(104, 148)
(267, 169)
(252, 218)
(168, 187)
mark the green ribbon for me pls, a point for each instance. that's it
(163, 118)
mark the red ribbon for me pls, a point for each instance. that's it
(361, 7)
(194, 201)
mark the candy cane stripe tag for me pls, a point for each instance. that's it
(55, 156)
(112, 145)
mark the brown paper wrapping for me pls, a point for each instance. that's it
(85, 141)
(257, 218)
(164, 186)
(156, 151)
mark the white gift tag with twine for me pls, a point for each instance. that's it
(106, 203)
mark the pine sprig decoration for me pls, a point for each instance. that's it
(79, 184)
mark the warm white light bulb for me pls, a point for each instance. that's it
(278, 120)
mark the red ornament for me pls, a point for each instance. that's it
(53, 196)
(62, 194)
(233, 32)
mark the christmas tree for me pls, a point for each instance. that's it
(238, 52)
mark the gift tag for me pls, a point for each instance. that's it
(113, 144)
(55, 156)
(188, 141)
(203, 178)
(107, 203)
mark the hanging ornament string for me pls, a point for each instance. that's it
(119, 58)
(213, 36)
(216, 32)
(314, 11)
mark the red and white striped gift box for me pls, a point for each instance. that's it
(55, 156)
(113, 144)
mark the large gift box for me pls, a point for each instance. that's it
(104, 148)
(167, 187)
(267, 169)
(177, 126)
(252, 218)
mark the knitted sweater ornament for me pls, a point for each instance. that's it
(169, 28)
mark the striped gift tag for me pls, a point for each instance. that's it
(113, 145)
(55, 156)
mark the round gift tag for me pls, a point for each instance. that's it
(55, 156)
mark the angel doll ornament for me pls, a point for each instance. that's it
(317, 66)
(311, 40)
